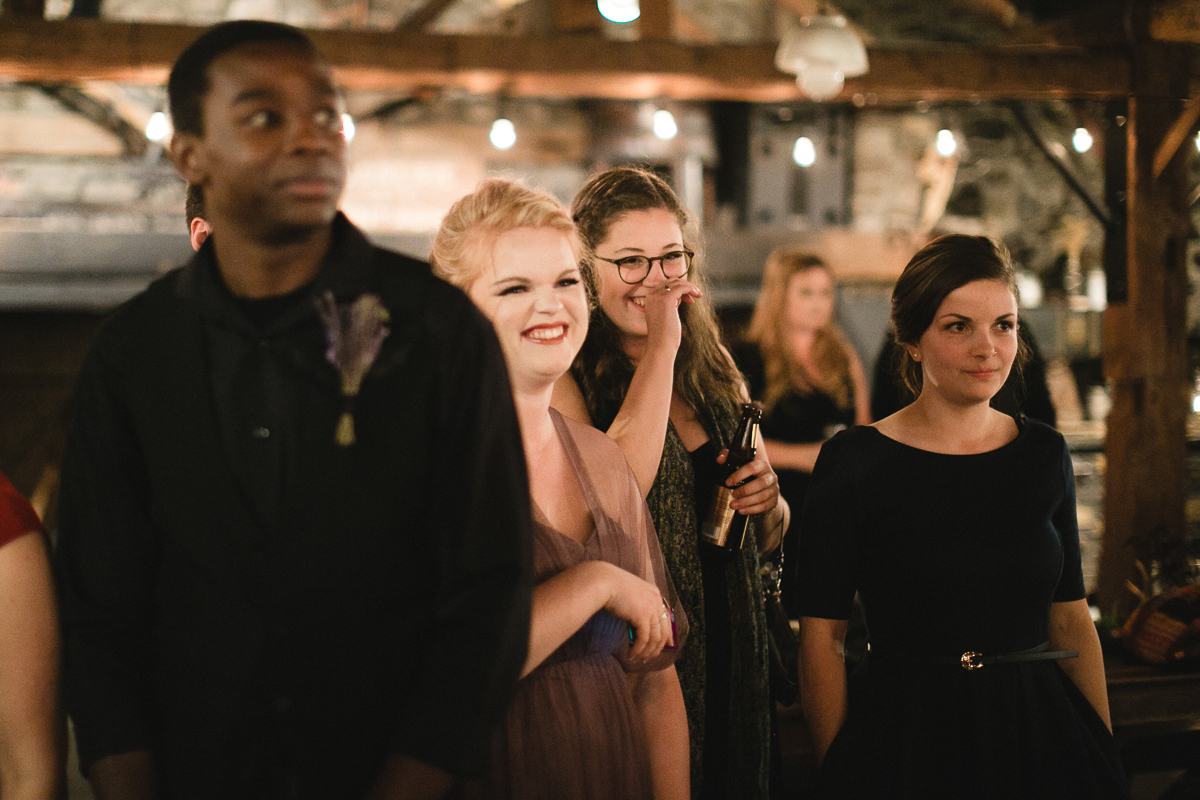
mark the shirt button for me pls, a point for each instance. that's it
(261, 433)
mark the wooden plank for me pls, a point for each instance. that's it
(576, 16)
(1145, 352)
(571, 66)
(1180, 131)
(1176, 21)
(655, 20)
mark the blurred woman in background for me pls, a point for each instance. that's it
(805, 372)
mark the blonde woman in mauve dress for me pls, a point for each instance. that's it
(598, 712)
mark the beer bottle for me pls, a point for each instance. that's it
(723, 527)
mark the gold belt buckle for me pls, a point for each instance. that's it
(968, 661)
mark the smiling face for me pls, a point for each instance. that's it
(808, 301)
(533, 293)
(650, 233)
(272, 158)
(967, 352)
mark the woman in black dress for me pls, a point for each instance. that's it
(956, 524)
(805, 372)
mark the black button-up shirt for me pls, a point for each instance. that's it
(269, 613)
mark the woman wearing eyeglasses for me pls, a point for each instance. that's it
(653, 374)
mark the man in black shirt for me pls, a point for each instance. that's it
(275, 583)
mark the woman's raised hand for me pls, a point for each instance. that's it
(639, 603)
(663, 327)
(760, 493)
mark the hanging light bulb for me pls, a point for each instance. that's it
(1082, 140)
(804, 153)
(946, 143)
(159, 127)
(619, 10)
(503, 135)
(348, 127)
(664, 124)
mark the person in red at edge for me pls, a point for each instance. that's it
(30, 744)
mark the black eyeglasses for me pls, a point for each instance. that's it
(635, 269)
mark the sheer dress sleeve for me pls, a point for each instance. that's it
(826, 569)
(630, 540)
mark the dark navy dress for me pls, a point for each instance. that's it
(952, 553)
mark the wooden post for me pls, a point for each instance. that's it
(1145, 350)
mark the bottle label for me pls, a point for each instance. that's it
(715, 529)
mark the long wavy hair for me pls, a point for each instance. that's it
(936, 270)
(769, 330)
(704, 374)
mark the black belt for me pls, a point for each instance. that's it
(971, 660)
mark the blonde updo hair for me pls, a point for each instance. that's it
(461, 248)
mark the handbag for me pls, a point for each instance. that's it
(783, 651)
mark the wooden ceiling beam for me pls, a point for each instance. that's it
(571, 65)
(1175, 21)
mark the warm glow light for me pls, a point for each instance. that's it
(1198, 141)
(348, 127)
(503, 135)
(159, 127)
(664, 124)
(1082, 140)
(619, 10)
(804, 153)
(946, 144)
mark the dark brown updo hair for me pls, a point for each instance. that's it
(937, 269)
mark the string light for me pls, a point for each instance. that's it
(664, 124)
(619, 10)
(803, 153)
(946, 143)
(504, 134)
(159, 127)
(1082, 140)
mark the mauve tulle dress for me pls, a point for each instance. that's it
(572, 730)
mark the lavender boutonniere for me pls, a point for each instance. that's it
(354, 333)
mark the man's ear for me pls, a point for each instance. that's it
(187, 154)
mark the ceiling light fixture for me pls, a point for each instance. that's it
(504, 134)
(619, 10)
(821, 52)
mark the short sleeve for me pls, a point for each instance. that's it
(17, 517)
(826, 569)
(1070, 582)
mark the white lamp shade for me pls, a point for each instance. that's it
(820, 82)
(828, 41)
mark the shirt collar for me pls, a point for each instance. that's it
(346, 272)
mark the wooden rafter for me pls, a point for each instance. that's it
(1179, 132)
(423, 16)
(1175, 21)
(570, 66)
